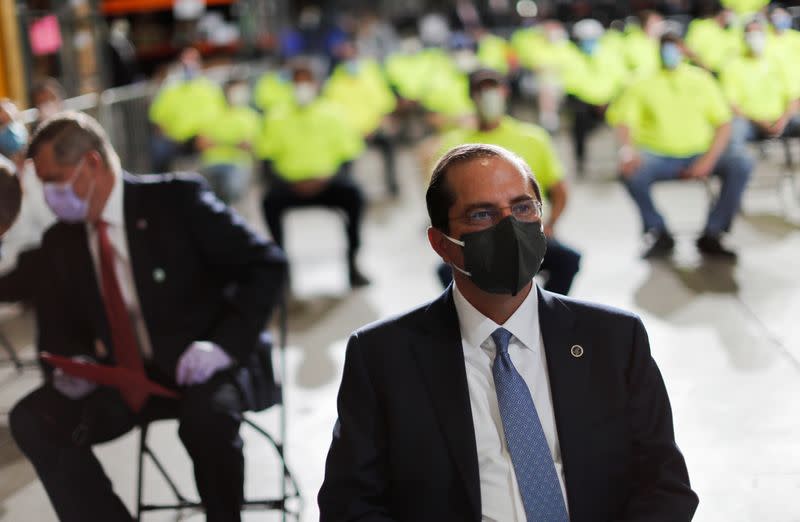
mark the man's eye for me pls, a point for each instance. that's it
(480, 215)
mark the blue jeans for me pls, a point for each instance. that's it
(228, 181)
(733, 168)
(744, 130)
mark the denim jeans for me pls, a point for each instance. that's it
(744, 130)
(733, 168)
(228, 181)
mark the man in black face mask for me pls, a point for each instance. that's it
(500, 400)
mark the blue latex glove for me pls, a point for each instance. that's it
(199, 362)
(73, 387)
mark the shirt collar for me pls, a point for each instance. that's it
(476, 327)
(113, 213)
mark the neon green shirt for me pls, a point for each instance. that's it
(758, 87)
(363, 94)
(526, 43)
(784, 49)
(493, 52)
(183, 108)
(272, 90)
(234, 126)
(598, 78)
(641, 53)
(672, 113)
(745, 7)
(530, 142)
(713, 44)
(309, 142)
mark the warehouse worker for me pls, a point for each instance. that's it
(783, 44)
(675, 124)
(712, 39)
(745, 8)
(761, 92)
(273, 89)
(596, 77)
(642, 43)
(181, 109)
(359, 87)
(490, 93)
(306, 147)
(226, 144)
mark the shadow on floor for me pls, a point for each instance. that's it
(772, 225)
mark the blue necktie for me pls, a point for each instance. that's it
(530, 454)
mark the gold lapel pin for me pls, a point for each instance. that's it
(576, 351)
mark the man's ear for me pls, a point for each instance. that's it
(439, 243)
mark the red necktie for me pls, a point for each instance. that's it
(126, 348)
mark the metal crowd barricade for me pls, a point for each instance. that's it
(123, 113)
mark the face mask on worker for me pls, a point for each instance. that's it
(782, 21)
(13, 138)
(503, 259)
(239, 96)
(491, 104)
(671, 55)
(756, 41)
(589, 46)
(304, 93)
(64, 202)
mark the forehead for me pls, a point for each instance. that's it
(47, 167)
(490, 180)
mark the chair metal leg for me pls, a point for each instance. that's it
(12, 354)
(140, 474)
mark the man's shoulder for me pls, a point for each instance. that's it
(591, 311)
(189, 182)
(389, 328)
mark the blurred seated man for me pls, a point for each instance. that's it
(155, 276)
(783, 43)
(676, 124)
(711, 41)
(307, 148)
(763, 97)
(533, 144)
(592, 81)
(642, 42)
(226, 143)
(185, 104)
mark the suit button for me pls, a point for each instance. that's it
(576, 351)
(159, 275)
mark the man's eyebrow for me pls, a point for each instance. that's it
(484, 204)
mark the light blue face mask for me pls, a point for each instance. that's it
(13, 138)
(65, 204)
(589, 46)
(782, 22)
(671, 55)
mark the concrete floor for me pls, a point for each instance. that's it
(727, 338)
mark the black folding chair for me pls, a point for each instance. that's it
(288, 490)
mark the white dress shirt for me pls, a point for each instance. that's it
(114, 216)
(500, 496)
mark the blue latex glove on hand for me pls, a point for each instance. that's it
(199, 362)
(73, 387)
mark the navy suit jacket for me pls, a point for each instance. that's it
(200, 274)
(404, 444)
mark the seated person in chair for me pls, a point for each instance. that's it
(307, 146)
(675, 124)
(761, 91)
(157, 276)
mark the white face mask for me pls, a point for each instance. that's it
(756, 41)
(239, 95)
(491, 104)
(304, 93)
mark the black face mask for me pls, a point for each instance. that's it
(504, 258)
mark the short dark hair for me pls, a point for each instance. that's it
(440, 197)
(73, 134)
(670, 37)
(10, 194)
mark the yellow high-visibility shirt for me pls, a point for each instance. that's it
(641, 53)
(234, 126)
(713, 44)
(494, 53)
(363, 94)
(310, 142)
(784, 49)
(183, 108)
(273, 90)
(745, 7)
(672, 113)
(526, 43)
(410, 73)
(758, 87)
(529, 141)
(597, 78)
(447, 92)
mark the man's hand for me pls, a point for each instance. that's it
(777, 128)
(199, 362)
(629, 161)
(700, 169)
(74, 388)
(548, 230)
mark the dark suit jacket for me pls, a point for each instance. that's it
(404, 445)
(200, 274)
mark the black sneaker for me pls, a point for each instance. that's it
(357, 279)
(711, 246)
(661, 244)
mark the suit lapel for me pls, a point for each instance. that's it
(569, 375)
(440, 355)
